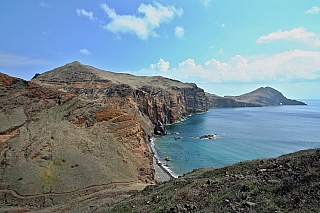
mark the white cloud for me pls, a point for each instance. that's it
(12, 60)
(85, 51)
(82, 12)
(299, 34)
(296, 65)
(205, 2)
(162, 66)
(179, 31)
(313, 10)
(142, 26)
(44, 4)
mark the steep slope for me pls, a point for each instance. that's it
(289, 183)
(53, 141)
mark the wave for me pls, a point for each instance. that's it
(160, 162)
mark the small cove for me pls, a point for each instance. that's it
(242, 134)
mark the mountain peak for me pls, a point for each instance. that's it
(267, 96)
(75, 63)
(71, 72)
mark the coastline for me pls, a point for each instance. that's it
(161, 172)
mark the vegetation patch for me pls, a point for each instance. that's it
(49, 173)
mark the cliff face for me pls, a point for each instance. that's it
(171, 105)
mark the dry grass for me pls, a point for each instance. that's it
(286, 184)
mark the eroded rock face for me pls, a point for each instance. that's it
(170, 106)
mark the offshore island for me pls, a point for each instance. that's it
(76, 139)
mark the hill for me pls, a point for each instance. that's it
(263, 96)
(266, 96)
(77, 72)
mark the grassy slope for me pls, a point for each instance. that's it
(289, 183)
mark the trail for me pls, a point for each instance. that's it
(113, 184)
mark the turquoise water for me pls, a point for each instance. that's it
(242, 134)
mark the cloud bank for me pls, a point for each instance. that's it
(299, 34)
(143, 26)
(295, 65)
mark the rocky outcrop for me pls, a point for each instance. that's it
(170, 105)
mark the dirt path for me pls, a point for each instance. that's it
(113, 184)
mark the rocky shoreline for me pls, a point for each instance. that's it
(161, 172)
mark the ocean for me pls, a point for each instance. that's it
(242, 134)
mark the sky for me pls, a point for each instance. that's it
(226, 47)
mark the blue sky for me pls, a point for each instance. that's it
(226, 47)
